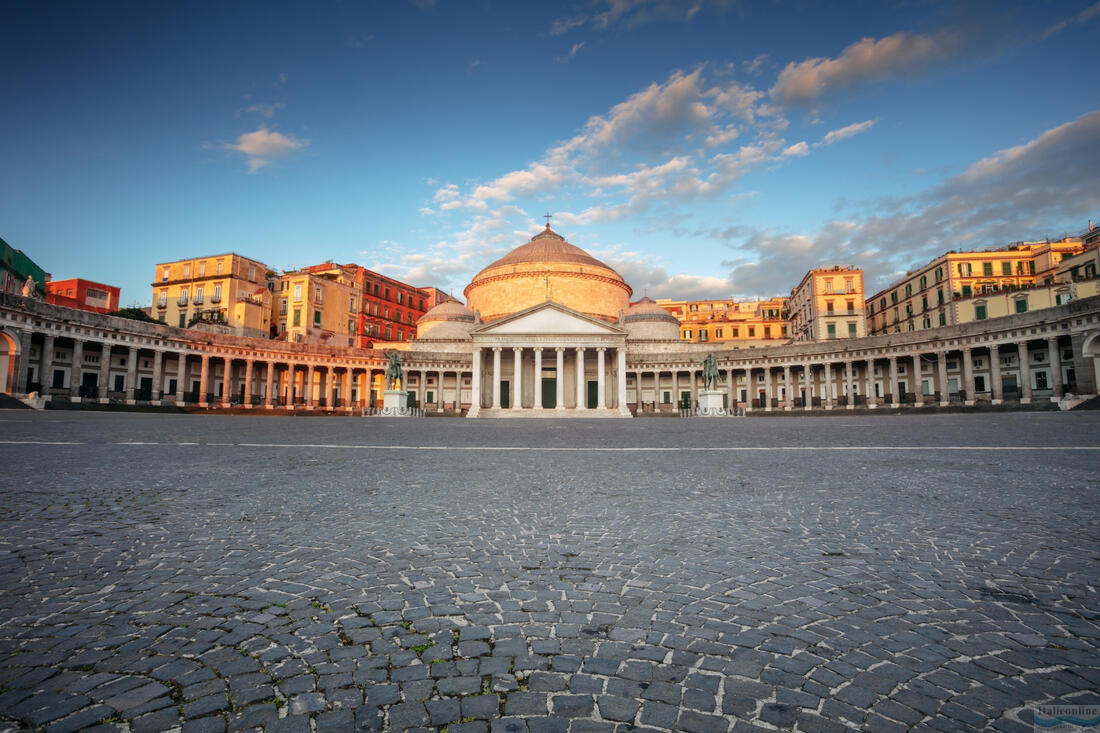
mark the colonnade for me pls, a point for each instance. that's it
(551, 359)
(919, 378)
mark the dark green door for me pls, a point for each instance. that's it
(549, 393)
(593, 394)
(505, 394)
(410, 399)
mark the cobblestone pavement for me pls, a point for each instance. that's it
(817, 574)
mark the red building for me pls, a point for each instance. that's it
(83, 295)
(389, 309)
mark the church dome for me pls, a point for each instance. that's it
(548, 268)
(649, 321)
(450, 320)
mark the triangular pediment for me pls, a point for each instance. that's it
(549, 318)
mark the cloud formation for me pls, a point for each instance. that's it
(867, 60)
(261, 145)
(848, 131)
(607, 14)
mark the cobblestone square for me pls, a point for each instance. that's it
(209, 573)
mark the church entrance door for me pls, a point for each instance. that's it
(549, 393)
(505, 394)
(593, 395)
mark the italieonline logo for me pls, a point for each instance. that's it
(1067, 717)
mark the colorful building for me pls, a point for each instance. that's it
(828, 304)
(317, 305)
(15, 268)
(86, 295)
(743, 322)
(924, 297)
(225, 292)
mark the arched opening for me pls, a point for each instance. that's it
(9, 358)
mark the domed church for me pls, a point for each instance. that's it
(547, 328)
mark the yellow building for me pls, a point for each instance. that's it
(745, 322)
(1000, 303)
(317, 305)
(227, 291)
(923, 298)
(828, 304)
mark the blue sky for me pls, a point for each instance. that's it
(704, 149)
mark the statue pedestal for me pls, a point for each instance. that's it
(394, 401)
(710, 404)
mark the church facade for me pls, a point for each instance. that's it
(548, 330)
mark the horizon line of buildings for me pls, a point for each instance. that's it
(349, 305)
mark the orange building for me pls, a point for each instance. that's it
(85, 295)
(730, 320)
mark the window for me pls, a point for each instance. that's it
(400, 297)
(198, 295)
(926, 322)
(1061, 298)
(163, 299)
(1040, 380)
(943, 319)
(703, 335)
(202, 268)
(924, 302)
(282, 306)
(987, 268)
(979, 312)
(939, 274)
(752, 332)
(829, 307)
(939, 296)
(687, 336)
(828, 285)
(852, 329)
(317, 294)
(217, 293)
(164, 275)
(966, 290)
(717, 333)
(251, 273)
(832, 330)
(964, 269)
(297, 316)
(894, 297)
(882, 304)
(1006, 268)
(351, 304)
(908, 290)
(219, 266)
(1021, 305)
(187, 269)
(297, 293)
(387, 298)
(1031, 267)
(183, 319)
(316, 318)
(767, 332)
(923, 282)
(183, 296)
(849, 285)
(736, 332)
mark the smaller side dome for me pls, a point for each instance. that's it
(450, 320)
(649, 321)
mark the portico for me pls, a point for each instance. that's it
(548, 360)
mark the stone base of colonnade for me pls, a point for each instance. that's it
(542, 413)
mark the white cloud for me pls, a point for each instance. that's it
(267, 111)
(572, 52)
(867, 60)
(847, 131)
(799, 149)
(261, 145)
(608, 14)
(1084, 16)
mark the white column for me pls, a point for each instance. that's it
(996, 388)
(828, 386)
(496, 377)
(45, 367)
(158, 376)
(601, 402)
(439, 391)
(269, 374)
(78, 364)
(248, 366)
(620, 357)
(559, 379)
(918, 398)
(475, 385)
(517, 378)
(870, 377)
(1025, 372)
(893, 381)
(730, 388)
(581, 402)
(807, 390)
(181, 377)
(849, 385)
(131, 376)
(788, 387)
(205, 370)
(941, 378)
(538, 379)
(968, 376)
(768, 389)
(1055, 360)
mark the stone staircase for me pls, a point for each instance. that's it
(528, 412)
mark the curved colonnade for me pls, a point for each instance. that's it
(65, 353)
